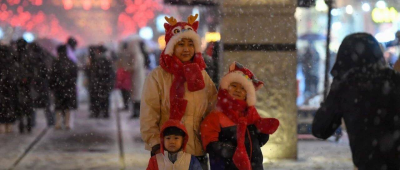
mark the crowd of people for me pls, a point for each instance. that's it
(32, 78)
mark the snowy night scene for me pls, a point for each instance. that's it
(200, 84)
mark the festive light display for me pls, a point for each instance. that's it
(39, 23)
(44, 19)
(137, 14)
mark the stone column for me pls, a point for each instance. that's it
(261, 35)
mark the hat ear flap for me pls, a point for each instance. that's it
(232, 66)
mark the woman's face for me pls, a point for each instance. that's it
(184, 50)
(237, 91)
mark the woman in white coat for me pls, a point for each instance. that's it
(132, 60)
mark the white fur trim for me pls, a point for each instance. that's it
(169, 49)
(240, 77)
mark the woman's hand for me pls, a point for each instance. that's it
(155, 149)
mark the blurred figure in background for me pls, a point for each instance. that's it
(100, 75)
(63, 79)
(310, 64)
(24, 76)
(40, 90)
(8, 89)
(124, 79)
(132, 58)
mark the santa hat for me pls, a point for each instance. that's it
(175, 31)
(239, 74)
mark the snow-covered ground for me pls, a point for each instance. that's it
(94, 144)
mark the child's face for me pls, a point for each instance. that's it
(184, 50)
(173, 143)
(237, 91)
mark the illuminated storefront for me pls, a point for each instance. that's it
(379, 18)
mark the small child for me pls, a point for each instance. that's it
(234, 133)
(174, 138)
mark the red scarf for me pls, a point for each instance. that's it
(243, 115)
(189, 72)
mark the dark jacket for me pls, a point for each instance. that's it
(367, 97)
(8, 86)
(100, 74)
(40, 83)
(63, 82)
(221, 151)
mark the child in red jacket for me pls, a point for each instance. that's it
(234, 133)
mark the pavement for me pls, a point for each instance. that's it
(115, 143)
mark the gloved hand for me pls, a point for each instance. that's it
(155, 149)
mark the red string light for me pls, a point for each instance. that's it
(105, 4)
(86, 4)
(68, 4)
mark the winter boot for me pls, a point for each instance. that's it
(9, 127)
(21, 125)
(49, 116)
(2, 128)
(29, 122)
(58, 120)
(136, 110)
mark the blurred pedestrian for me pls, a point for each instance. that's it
(100, 75)
(132, 61)
(63, 78)
(124, 79)
(40, 85)
(365, 92)
(8, 90)
(25, 77)
(310, 66)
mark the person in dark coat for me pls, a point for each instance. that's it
(366, 94)
(25, 76)
(40, 90)
(310, 66)
(100, 75)
(63, 83)
(8, 89)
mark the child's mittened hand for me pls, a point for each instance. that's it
(267, 125)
